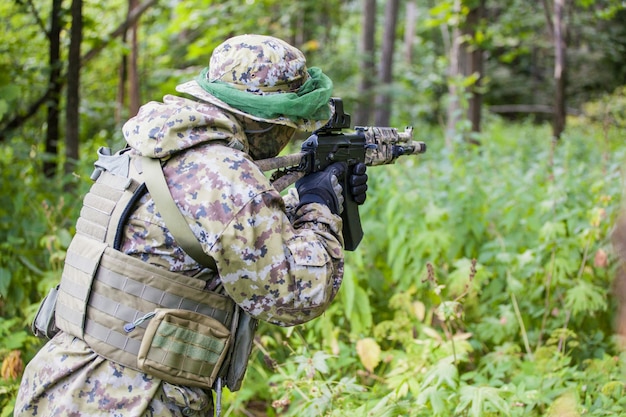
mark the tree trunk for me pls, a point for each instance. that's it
(133, 72)
(454, 71)
(122, 77)
(128, 72)
(409, 31)
(21, 118)
(383, 98)
(560, 69)
(364, 109)
(55, 86)
(475, 66)
(73, 88)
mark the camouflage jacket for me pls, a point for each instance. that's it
(280, 267)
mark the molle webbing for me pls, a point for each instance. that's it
(105, 201)
(117, 300)
(103, 290)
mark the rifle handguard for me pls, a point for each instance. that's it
(371, 145)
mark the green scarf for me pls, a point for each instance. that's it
(310, 102)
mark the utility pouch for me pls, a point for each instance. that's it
(183, 347)
(44, 324)
(244, 340)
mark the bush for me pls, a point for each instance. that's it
(481, 288)
(37, 218)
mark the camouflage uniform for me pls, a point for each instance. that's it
(279, 270)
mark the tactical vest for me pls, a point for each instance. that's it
(142, 316)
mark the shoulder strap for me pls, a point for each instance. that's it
(174, 219)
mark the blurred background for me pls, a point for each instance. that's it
(486, 284)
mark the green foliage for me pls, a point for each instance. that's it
(609, 111)
(36, 225)
(520, 44)
(482, 285)
(22, 67)
(480, 289)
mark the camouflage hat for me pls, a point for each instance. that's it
(260, 66)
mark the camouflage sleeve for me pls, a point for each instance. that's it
(281, 269)
(277, 271)
(291, 200)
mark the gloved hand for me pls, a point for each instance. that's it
(323, 187)
(358, 183)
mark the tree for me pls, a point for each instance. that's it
(409, 31)
(55, 85)
(367, 69)
(128, 71)
(20, 118)
(557, 31)
(385, 72)
(133, 71)
(474, 63)
(72, 128)
(560, 68)
(454, 74)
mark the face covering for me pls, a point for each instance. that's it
(265, 140)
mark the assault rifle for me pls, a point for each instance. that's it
(371, 145)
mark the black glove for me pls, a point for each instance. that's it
(323, 187)
(358, 183)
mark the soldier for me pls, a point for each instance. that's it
(151, 297)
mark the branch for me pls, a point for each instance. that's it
(19, 119)
(131, 19)
(40, 22)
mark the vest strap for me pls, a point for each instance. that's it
(174, 219)
(140, 315)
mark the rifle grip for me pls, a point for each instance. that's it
(352, 230)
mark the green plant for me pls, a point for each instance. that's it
(36, 221)
(480, 289)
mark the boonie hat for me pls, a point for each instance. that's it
(266, 79)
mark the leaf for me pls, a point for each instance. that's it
(481, 400)
(15, 340)
(12, 366)
(564, 406)
(435, 397)
(551, 231)
(65, 237)
(5, 281)
(434, 215)
(616, 388)
(361, 317)
(319, 361)
(419, 310)
(347, 290)
(449, 310)
(585, 298)
(7, 410)
(459, 279)
(369, 353)
(8, 93)
(444, 373)
(4, 107)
